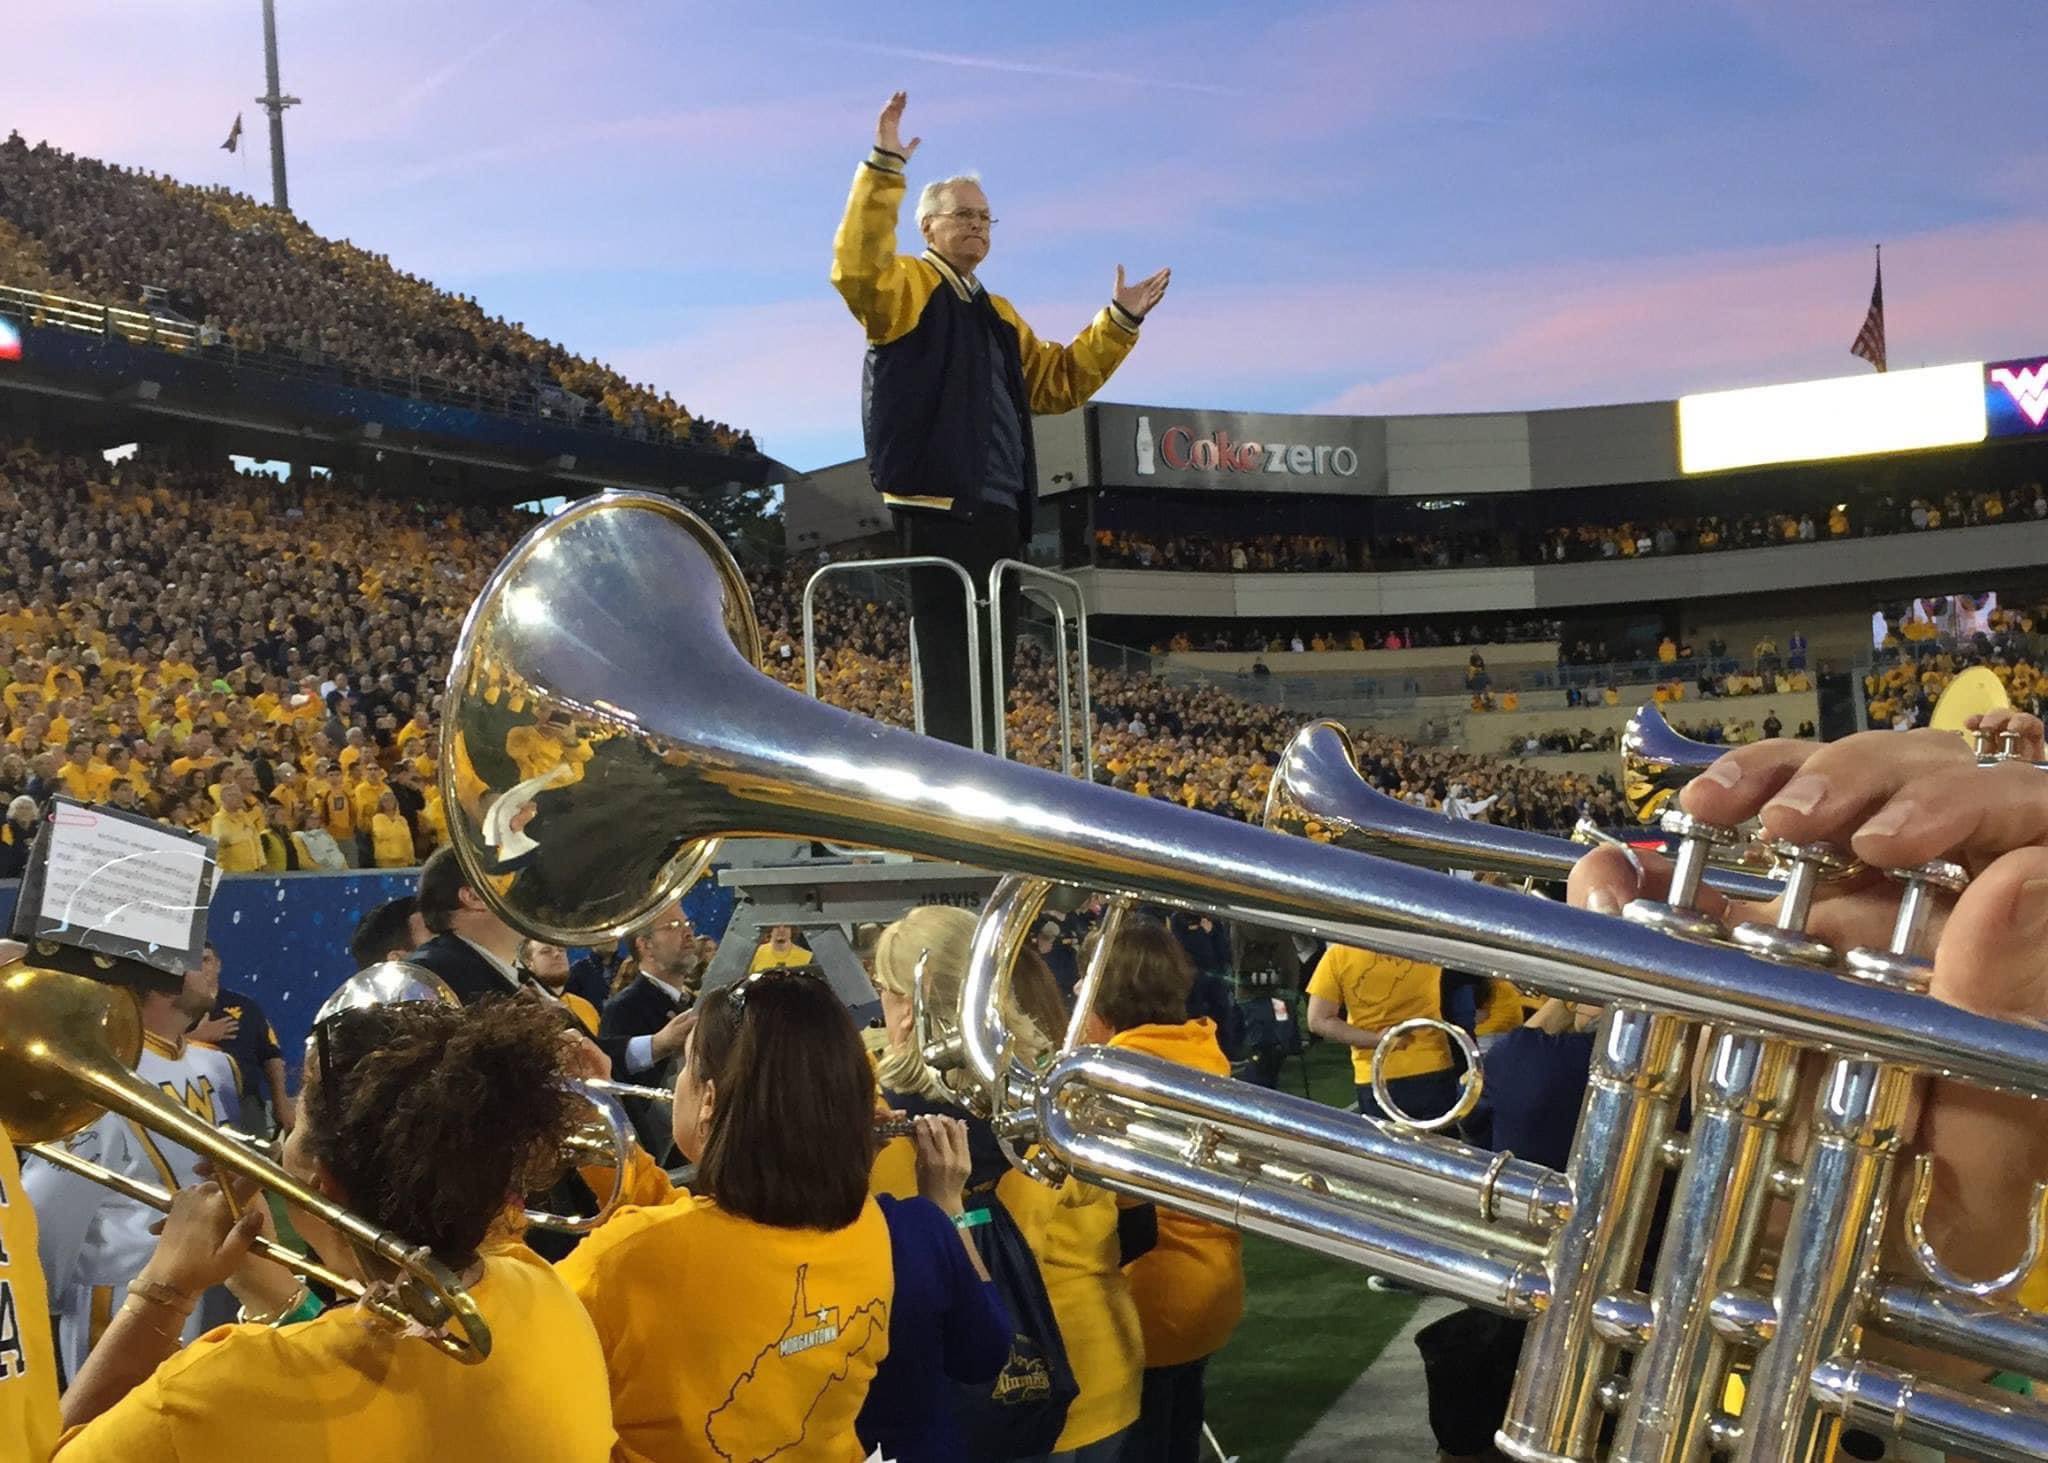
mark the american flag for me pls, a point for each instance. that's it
(1870, 340)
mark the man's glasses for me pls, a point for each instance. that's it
(972, 216)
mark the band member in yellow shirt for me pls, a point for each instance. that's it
(1072, 1231)
(1190, 1285)
(422, 1118)
(28, 1359)
(784, 1255)
(1373, 993)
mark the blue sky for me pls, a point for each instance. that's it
(1402, 206)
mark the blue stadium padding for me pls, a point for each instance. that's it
(284, 939)
(218, 380)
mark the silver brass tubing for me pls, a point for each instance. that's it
(2000, 1427)
(1439, 1173)
(629, 1089)
(1300, 1216)
(1828, 1258)
(1829, 1250)
(1639, 1069)
(1318, 776)
(1742, 1100)
(1091, 978)
(742, 755)
(1740, 1104)
(2004, 1337)
(1227, 1153)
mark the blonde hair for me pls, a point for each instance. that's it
(947, 933)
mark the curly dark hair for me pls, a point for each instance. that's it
(433, 1117)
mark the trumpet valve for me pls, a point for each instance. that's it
(1678, 913)
(1902, 965)
(1805, 866)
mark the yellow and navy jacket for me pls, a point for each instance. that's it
(929, 388)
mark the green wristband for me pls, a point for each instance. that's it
(305, 1310)
(970, 1219)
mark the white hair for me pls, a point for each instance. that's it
(928, 200)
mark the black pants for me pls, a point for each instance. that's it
(938, 612)
(1169, 1425)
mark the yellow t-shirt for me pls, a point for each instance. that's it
(789, 1328)
(1376, 991)
(391, 839)
(80, 782)
(1504, 1010)
(240, 846)
(183, 765)
(342, 1387)
(1190, 1285)
(767, 957)
(28, 1359)
(336, 815)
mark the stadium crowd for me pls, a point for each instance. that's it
(1196, 745)
(255, 279)
(1916, 662)
(1865, 515)
(1277, 640)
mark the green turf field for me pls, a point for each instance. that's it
(1310, 1325)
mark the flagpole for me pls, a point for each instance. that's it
(274, 102)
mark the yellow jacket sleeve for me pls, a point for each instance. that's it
(885, 291)
(1060, 378)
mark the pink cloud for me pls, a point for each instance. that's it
(1663, 327)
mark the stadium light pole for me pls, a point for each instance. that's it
(274, 102)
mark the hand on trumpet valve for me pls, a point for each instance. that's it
(2010, 734)
(1902, 801)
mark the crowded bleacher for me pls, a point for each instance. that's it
(1866, 515)
(260, 660)
(254, 279)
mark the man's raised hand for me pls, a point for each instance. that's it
(889, 131)
(1137, 298)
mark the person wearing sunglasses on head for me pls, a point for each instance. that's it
(747, 1320)
(422, 1119)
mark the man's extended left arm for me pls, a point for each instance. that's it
(1060, 378)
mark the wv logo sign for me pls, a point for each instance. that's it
(2028, 388)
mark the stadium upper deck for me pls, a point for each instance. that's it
(1175, 511)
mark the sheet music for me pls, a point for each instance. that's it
(128, 880)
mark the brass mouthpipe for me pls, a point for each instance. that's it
(158, 1199)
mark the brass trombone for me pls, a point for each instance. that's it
(304, 1266)
(68, 1047)
(623, 624)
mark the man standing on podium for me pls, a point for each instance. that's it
(952, 380)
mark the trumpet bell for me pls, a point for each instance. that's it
(1656, 762)
(47, 1018)
(565, 812)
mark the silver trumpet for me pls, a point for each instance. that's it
(622, 629)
